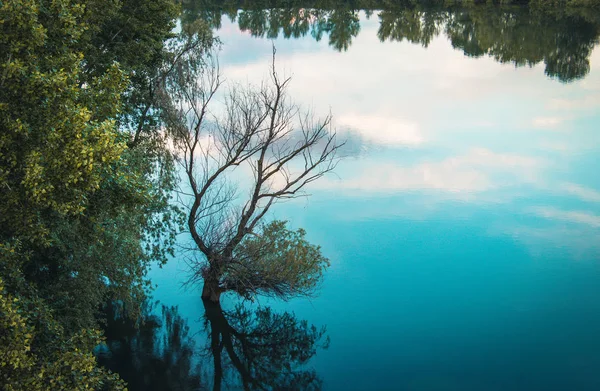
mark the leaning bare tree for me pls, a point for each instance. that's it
(264, 140)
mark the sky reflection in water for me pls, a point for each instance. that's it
(464, 228)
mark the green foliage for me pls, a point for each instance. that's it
(92, 212)
(341, 25)
(84, 210)
(525, 37)
(134, 34)
(276, 261)
(565, 3)
(57, 139)
(27, 366)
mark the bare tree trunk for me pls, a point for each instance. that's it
(211, 290)
(262, 130)
(221, 337)
(218, 367)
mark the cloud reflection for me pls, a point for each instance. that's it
(382, 130)
(581, 192)
(432, 121)
(546, 122)
(570, 216)
(476, 171)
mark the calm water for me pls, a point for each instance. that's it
(464, 228)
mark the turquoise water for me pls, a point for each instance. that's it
(463, 227)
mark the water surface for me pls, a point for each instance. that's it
(464, 227)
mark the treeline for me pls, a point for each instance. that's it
(85, 177)
(560, 37)
(378, 4)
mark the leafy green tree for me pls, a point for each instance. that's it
(525, 38)
(36, 353)
(57, 140)
(85, 197)
(134, 35)
(414, 25)
(90, 212)
(341, 25)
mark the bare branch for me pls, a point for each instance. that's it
(260, 131)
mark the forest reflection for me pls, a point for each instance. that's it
(562, 39)
(155, 352)
(246, 348)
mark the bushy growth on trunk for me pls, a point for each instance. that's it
(275, 261)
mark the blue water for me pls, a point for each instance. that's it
(463, 228)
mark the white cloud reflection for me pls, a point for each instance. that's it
(448, 126)
(576, 242)
(381, 130)
(478, 170)
(546, 122)
(585, 103)
(582, 192)
(570, 216)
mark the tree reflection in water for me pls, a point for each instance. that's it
(261, 350)
(246, 348)
(560, 38)
(156, 353)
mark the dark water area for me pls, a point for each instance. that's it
(463, 229)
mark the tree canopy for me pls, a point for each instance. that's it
(84, 209)
(276, 261)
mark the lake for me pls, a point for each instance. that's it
(463, 227)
